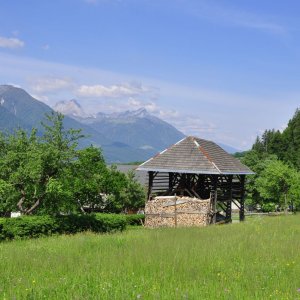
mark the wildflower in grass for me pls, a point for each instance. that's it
(298, 290)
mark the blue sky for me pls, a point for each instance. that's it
(221, 70)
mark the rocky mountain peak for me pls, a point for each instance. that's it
(135, 114)
(71, 108)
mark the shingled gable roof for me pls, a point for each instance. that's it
(195, 156)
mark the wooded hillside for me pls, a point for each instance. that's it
(275, 157)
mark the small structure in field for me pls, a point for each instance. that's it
(204, 178)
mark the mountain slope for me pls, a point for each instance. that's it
(123, 137)
(8, 121)
(19, 109)
(139, 129)
(30, 112)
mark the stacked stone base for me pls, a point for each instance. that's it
(172, 211)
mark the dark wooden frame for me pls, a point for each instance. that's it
(222, 189)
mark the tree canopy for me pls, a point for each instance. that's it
(285, 145)
(275, 158)
(48, 174)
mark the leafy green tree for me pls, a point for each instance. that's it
(291, 140)
(123, 192)
(48, 174)
(85, 179)
(33, 165)
(5, 204)
(256, 162)
(277, 182)
(133, 194)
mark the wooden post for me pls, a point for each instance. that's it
(214, 198)
(229, 200)
(285, 204)
(175, 214)
(150, 184)
(242, 202)
(171, 176)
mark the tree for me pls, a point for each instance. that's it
(277, 182)
(5, 205)
(257, 162)
(134, 194)
(33, 165)
(291, 139)
(85, 179)
(48, 174)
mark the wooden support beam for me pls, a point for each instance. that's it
(237, 204)
(171, 176)
(222, 206)
(214, 198)
(150, 184)
(228, 217)
(242, 201)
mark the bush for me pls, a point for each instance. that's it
(36, 226)
(268, 207)
(94, 222)
(135, 219)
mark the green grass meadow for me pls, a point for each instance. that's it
(257, 259)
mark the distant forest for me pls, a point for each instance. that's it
(275, 157)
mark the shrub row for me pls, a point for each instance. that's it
(135, 219)
(36, 226)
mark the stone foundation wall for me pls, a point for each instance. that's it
(171, 211)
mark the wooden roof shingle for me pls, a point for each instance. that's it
(196, 156)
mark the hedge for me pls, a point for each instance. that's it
(135, 219)
(36, 226)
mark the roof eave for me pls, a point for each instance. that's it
(194, 171)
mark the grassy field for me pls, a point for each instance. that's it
(254, 260)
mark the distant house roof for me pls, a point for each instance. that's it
(141, 177)
(195, 156)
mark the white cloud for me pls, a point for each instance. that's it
(150, 106)
(112, 91)
(51, 84)
(41, 98)
(190, 124)
(232, 16)
(11, 43)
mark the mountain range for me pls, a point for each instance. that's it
(124, 137)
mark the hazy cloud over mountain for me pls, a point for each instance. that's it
(11, 43)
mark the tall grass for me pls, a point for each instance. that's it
(255, 260)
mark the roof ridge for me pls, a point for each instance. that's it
(203, 151)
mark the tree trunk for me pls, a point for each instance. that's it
(33, 207)
(21, 201)
(285, 203)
